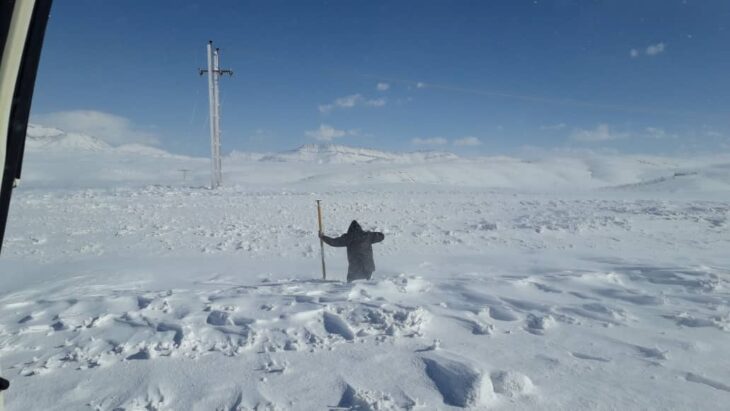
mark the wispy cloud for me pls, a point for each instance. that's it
(382, 86)
(657, 133)
(467, 141)
(378, 102)
(539, 99)
(710, 132)
(325, 132)
(431, 141)
(596, 135)
(655, 49)
(110, 128)
(558, 126)
(651, 50)
(351, 101)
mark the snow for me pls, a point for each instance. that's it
(459, 382)
(559, 282)
(511, 383)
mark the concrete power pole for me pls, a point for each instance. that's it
(214, 73)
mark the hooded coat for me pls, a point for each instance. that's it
(359, 250)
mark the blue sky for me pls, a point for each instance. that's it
(486, 77)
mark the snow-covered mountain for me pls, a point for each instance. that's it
(54, 139)
(339, 154)
(50, 139)
(40, 137)
(56, 157)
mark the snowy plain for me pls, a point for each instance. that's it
(565, 281)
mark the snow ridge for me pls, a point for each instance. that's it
(339, 154)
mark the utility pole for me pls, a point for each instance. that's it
(214, 73)
(184, 173)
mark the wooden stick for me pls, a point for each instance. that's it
(321, 242)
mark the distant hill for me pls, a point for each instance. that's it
(339, 154)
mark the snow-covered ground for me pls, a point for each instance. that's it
(560, 282)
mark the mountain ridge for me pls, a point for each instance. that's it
(51, 138)
(336, 153)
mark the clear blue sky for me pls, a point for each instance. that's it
(636, 76)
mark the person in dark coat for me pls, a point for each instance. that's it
(359, 250)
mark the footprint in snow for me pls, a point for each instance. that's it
(692, 377)
(334, 324)
(589, 357)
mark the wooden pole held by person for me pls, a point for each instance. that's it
(321, 242)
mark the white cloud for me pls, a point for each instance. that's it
(342, 102)
(651, 50)
(432, 141)
(600, 133)
(420, 85)
(348, 101)
(655, 49)
(656, 133)
(326, 132)
(108, 127)
(467, 141)
(378, 102)
(558, 126)
(382, 86)
(351, 101)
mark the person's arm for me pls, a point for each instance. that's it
(376, 237)
(340, 241)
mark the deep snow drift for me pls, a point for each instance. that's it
(595, 282)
